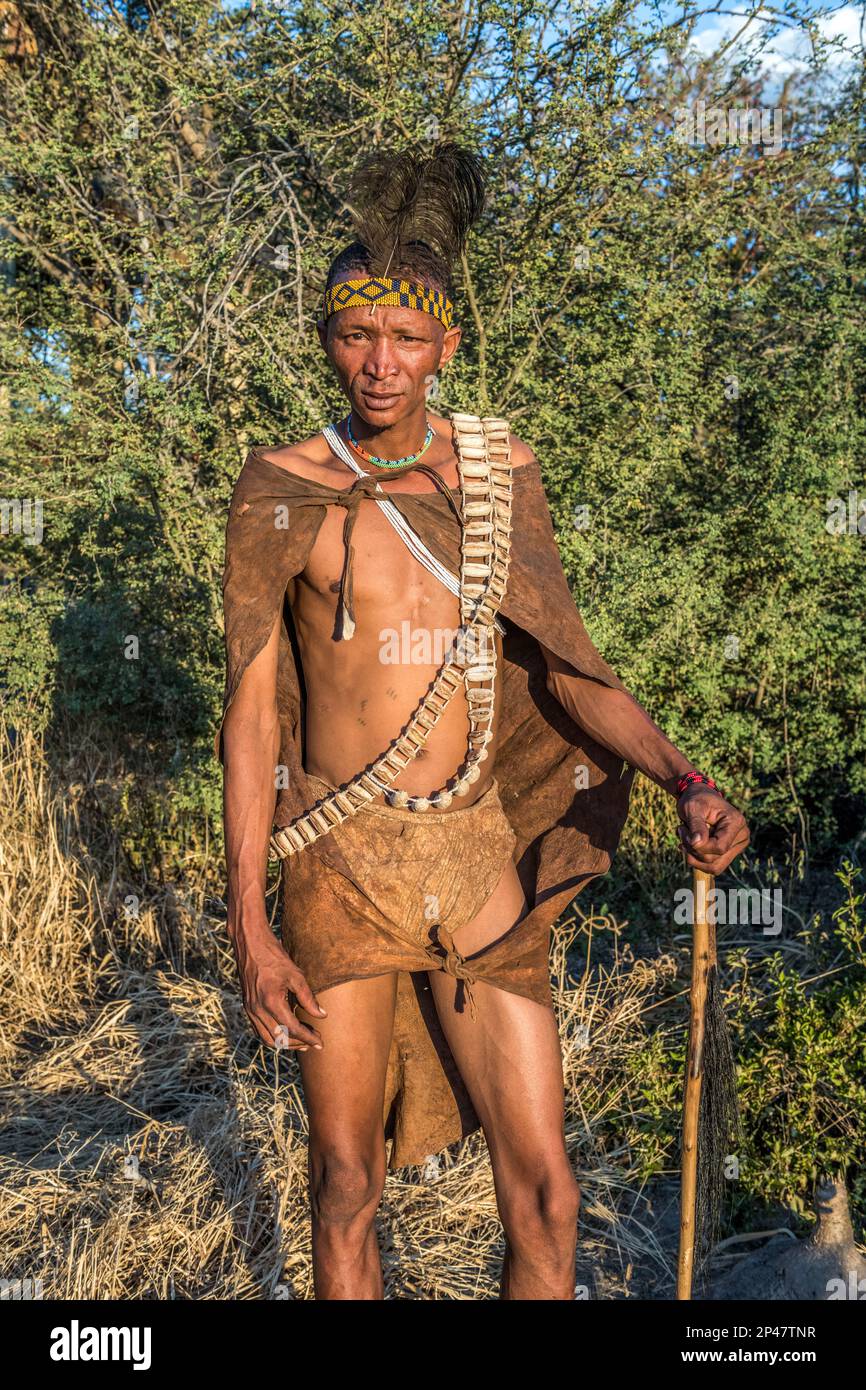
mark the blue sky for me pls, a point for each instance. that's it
(785, 53)
(788, 50)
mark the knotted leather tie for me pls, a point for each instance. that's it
(453, 963)
(351, 498)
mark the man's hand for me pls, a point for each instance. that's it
(267, 974)
(713, 832)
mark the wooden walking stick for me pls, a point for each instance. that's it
(710, 1114)
(701, 884)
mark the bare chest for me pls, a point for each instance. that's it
(387, 579)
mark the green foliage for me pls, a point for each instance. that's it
(676, 329)
(801, 1059)
(798, 1019)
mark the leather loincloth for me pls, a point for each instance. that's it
(413, 881)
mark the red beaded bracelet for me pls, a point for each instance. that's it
(691, 779)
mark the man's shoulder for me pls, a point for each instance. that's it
(521, 454)
(309, 458)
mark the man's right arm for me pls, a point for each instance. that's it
(251, 749)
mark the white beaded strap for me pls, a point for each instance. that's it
(484, 461)
(410, 537)
(485, 473)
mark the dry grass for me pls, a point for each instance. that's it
(152, 1149)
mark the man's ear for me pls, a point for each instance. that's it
(450, 344)
(322, 330)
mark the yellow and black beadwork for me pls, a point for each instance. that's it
(353, 294)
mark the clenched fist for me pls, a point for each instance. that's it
(713, 832)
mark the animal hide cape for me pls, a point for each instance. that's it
(567, 826)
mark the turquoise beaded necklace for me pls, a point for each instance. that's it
(388, 463)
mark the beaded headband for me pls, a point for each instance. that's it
(353, 294)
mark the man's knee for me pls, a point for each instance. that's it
(345, 1188)
(545, 1206)
(558, 1201)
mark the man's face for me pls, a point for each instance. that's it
(386, 361)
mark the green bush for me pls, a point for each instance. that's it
(676, 329)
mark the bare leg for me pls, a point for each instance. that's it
(344, 1089)
(510, 1059)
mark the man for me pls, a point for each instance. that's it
(425, 896)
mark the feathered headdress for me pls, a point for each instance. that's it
(412, 212)
(398, 200)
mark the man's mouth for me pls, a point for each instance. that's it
(379, 400)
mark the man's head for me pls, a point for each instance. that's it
(387, 359)
(387, 312)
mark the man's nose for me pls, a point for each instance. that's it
(380, 361)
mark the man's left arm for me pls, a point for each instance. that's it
(712, 832)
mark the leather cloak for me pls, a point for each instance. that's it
(567, 825)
